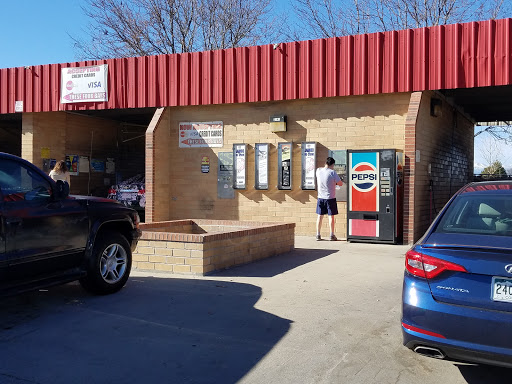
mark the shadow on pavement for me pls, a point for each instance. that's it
(277, 264)
(155, 330)
(474, 374)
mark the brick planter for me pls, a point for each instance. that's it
(201, 246)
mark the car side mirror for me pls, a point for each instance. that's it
(62, 190)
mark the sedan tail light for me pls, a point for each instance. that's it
(428, 266)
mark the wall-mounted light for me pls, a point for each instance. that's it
(436, 107)
(278, 123)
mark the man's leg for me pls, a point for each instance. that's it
(319, 219)
(332, 211)
(332, 222)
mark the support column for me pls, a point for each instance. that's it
(410, 166)
(157, 168)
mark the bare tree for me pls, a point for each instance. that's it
(403, 14)
(123, 28)
(232, 23)
(327, 18)
(490, 151)
(494, 153)
(498, 132)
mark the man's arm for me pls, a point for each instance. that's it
(338, 180)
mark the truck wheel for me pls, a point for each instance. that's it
(110, 264)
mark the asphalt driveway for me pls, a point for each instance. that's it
(328, 312)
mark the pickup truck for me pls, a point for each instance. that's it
(48, 237)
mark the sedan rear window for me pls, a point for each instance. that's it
(478, 214)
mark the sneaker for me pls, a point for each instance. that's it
(318, 237)
(333, 238)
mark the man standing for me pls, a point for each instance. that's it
(326, 180)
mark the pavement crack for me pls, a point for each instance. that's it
(331, 370)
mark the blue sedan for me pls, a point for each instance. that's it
(457, 291)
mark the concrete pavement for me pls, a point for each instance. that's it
(328, 312)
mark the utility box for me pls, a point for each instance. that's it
(278, 123)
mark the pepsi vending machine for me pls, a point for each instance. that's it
(375, 196)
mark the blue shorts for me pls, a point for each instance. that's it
(327, 206)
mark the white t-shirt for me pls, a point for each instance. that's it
(326, 180)
(60, 176)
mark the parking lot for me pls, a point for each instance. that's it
(328, 312)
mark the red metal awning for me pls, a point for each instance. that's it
(476, 54)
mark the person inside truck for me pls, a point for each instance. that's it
(60, 172)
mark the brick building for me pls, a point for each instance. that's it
(411, 90)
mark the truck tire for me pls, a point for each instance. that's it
(110, 264)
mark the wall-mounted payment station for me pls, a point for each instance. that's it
(261, 153)
(240, 166)
(284, 161)
(308, 165)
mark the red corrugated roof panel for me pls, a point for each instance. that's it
(476, 54)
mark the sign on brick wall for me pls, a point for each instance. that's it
(195, 135)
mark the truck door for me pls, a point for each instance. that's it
(42, 235)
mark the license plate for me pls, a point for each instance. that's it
(502, 289)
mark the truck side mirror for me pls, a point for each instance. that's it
(62, 190)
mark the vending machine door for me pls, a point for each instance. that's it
(371, 207)
(387, 196)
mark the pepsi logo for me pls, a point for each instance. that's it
(364, 177)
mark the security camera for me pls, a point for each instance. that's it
(276, 45)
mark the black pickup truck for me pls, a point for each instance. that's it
(48, 237)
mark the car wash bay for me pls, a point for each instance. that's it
(109, 145)
(392, 90)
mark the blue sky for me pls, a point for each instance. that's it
(41, 36)
(36, 31)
